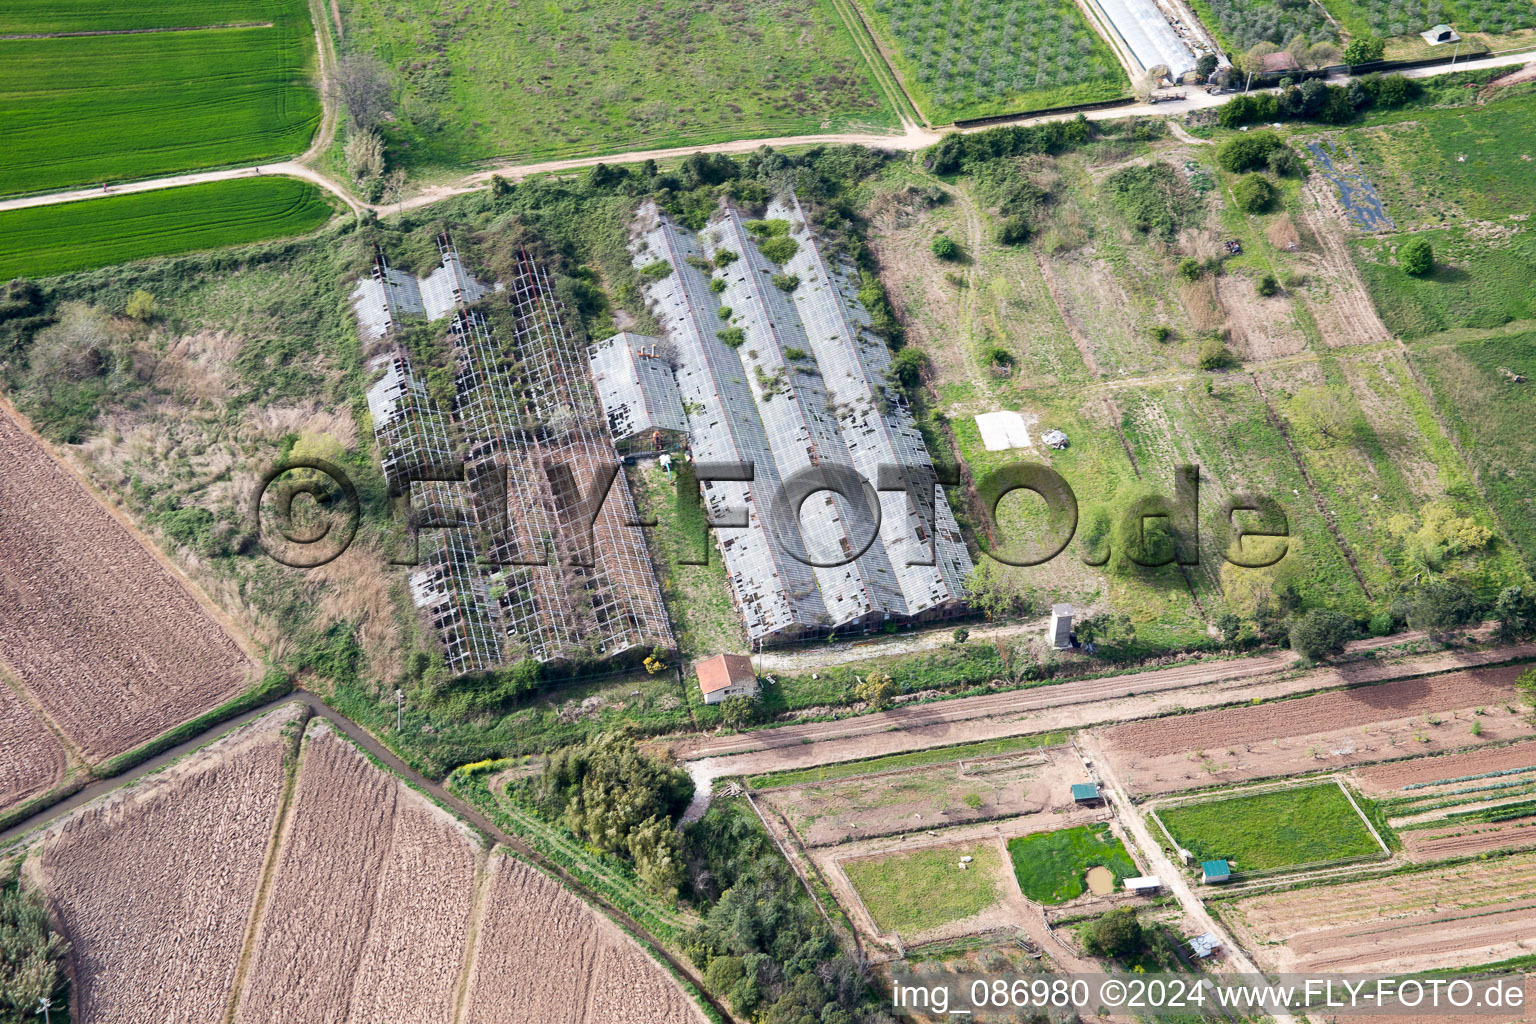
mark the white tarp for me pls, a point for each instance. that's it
(1001, 431)
(1147, 33)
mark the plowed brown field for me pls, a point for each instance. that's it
(370, 905)
(546, 956)
(1342, 727)
(1473, 913)
(1389, 779)
(31, 760)
(1458, 840)
(112, 645)
(154, 885)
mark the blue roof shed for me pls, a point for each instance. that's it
(1084, 792)
(1215, 871)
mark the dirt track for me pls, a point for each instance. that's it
(109, 642)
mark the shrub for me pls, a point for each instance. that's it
(907, 367)
(945, 248)
(1155, 198)
(1189, 268)
(1013, 230)
(1267, 286)
(1161, 333)
(999, 357)
(780, 249)
(961, 634)
(1364, 50)
(1255, 193)
(1214, 355)
(1206, 65)
(1416, 256)
(732, 336)
(1248, 151)
(658, 271)
(786, 282)
(141, 306)
(1321, 633)
(717, 285)
(1284, 162)
(1118, 934)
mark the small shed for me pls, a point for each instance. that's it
(1146, 885)
(1059, 635)
(1204, 946)
(1215, 871)
(726, 675)
(1086, 793)
(1441, 33)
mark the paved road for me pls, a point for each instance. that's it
(913, 137)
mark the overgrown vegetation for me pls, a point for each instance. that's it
(909, 893)
(1052, 866)
(1287, 828)
(31, 952)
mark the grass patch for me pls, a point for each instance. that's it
(87, 109)
(1051, 866)
(911, 759)
(24, 16)
(1307, 825)
(913, 892)
(975, 59)
(544, 80)
(40, 241)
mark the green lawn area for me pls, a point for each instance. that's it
(541, 80)
(41, 241)
(1051, 866)
(80, 110)
(911, 759)
(974, 58)
(910, 893)
(1490, 415)
(1291, 827)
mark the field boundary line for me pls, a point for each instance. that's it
(16, 36)
(280, 832)
(8, 677)
(472, 940)
(1368, 824)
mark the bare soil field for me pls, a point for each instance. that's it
(1357, 725)
(1462, 838)
(1458, 916)
(31, 759)
(1260, 328)
(1335, 294)
(937, 796)
(370, 899)
(1389, 779)
(154, 885)
(112, 645)
(543, 954)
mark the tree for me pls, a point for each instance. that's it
(876, 690)
(31, 952)
(1364, 50)
(1284, 162)
(1321, 54)
(1322, 412)
(945, 248)
(1267, 285)
(1106, 627)
(738, 712)
(1255, 193)
(907, 367)
(1416, 256)
(1516, 611)
(361, 84)
(1247, 152)
(1214, 355)
(1526, 685)
(141, 306)
(1117, 934)
(1206, 65)
(1439, 606)
(1321, 633)
(1231, 628)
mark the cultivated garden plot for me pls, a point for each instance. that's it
(170, 863)
(933, 892)
(90, 108)
(542, 80)
(1033, 782)
(1328, 730)
(31, 759)
(1057, 867)
(974, 59)
(542, 950)
(1467, 914)
(1274, 829)
(109, 642)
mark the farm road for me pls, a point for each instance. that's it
(913, 138)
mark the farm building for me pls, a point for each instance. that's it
(386, 295)
(638, 390)
(1215, 871)
(795, 385)
(533, 442)
(1144, 885)
(726, 675)
(1059, 635)
(1205, 945)
(1086, 793)
(1152, 39)
(1441, 33)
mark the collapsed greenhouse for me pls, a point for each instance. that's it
(777, 366)
(504, 484)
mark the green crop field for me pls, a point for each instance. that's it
(975, 59)
(18, 17)
(80, 110)
(43, 240)
(1291, 827)
(1052, 866)
(535, 80)
(910, 893)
